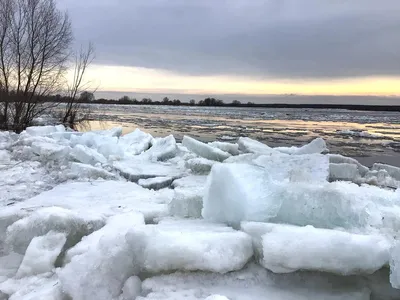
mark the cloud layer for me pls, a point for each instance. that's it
(286, 39)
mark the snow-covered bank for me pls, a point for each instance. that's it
(98, 215)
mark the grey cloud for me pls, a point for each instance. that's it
(271, 38)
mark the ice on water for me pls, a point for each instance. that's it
(101, 215)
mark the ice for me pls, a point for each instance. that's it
(137, 168)
(362, 134)
(247, 158)
(131, 289)
(287, 248)
(196, 245)
(317, 145)
(204, 150)
(44, 220)
(136, 142)
(156, 183)
(188, 197)
(254, 282)
(4, 157)
(216, 297)
(44, 130)
(120, 224)
(380, 178)
(101, 198)
(87, 155)
(307, 167)
(232, 149)
(44, 286)
(162, 149)
(337, 204)
(395, 265)
(81, 171)
(248, 145)
(117, 132)
(50, 151)
(200, 165)
(9, 265)
(238, 192)
(339, 159)
(100, 273)
(393, 171)
(344, 171)
(41, 254)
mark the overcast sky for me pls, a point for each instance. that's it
(292, 41)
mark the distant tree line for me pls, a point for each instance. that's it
(87, 97)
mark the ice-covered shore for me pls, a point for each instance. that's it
(98, 215)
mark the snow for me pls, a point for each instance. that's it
(41, 254)
(287, 248)
(199, 221)
(204, 150)
(361, 134)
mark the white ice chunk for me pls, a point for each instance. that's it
(317, 145)
(50, 151)
(4, 157)
(131, 289)
(307, 168)
(120, 224)
(289, 248)
(137, 168)
(200, 165)
(41, 254)
(136, 142)
(249, 145)
(393, 171)
(117, 132)
(44, 220)
(156, 183)
(187, 202)
(216, 297)
(87, 155)
(380, 178)
(101, 198)
(233, 149)
(196, 245)
(237, 192)
(43, 286)
(101, 272)
(79, 170)
(247, 158)
(204, 150)
(44, 130)
(395, 265)
(162, 149)
(339, 159)
(344, 171)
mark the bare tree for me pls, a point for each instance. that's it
(73, 113)
(35, 41)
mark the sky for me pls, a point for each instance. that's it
(244, 47)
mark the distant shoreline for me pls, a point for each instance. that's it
(395, 108)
